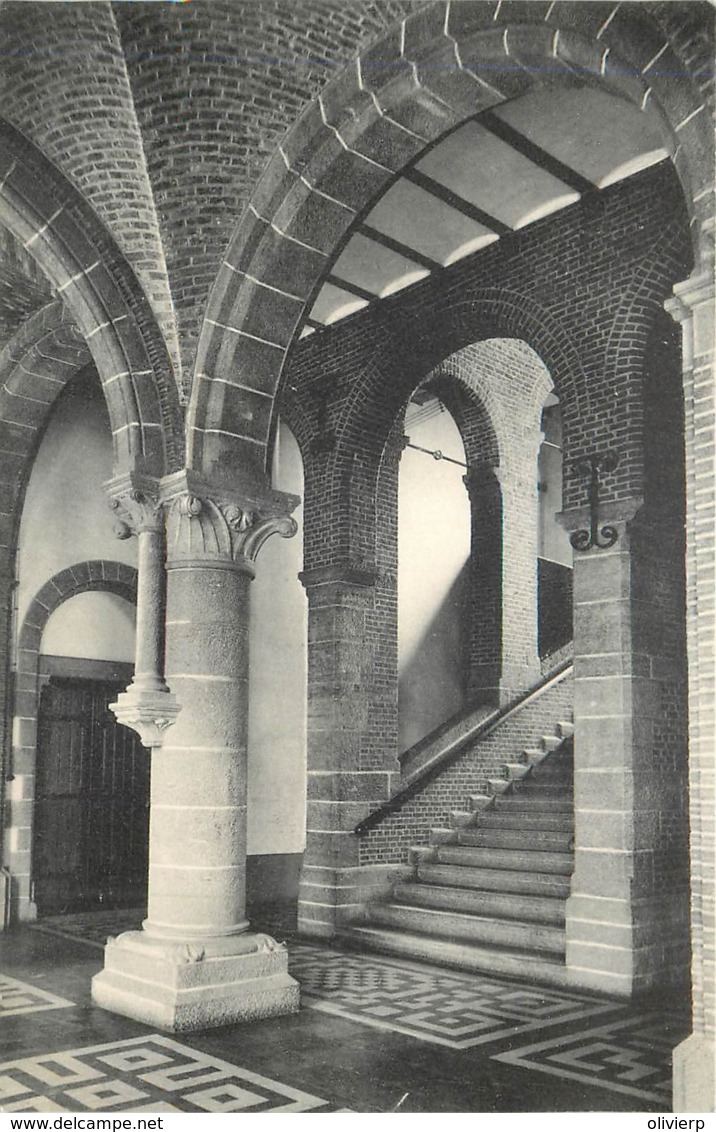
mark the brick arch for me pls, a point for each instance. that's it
(641, 306)
(83, 263)
(363, 423)
(425, 76)
(84, 577)
(470, 414)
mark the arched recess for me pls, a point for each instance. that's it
(35, 366)
(99, 575)
(426, 76)
(92, 277)
(356, 425)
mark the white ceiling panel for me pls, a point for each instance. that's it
(603, 138)
(374, 268)
(333, 304)
(416, 218)
(490, 174)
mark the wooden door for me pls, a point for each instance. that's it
(92, 802)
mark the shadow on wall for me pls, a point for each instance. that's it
(431, 685)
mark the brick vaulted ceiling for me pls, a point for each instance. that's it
(164, 116)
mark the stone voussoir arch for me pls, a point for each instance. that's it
(98, 575)
(454, 60)
(76, 253)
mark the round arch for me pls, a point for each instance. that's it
(93, 576)
(425, 76)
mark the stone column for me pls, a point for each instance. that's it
(195, 963)
(693, 307)
(147, 706)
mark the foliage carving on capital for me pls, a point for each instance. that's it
(136, 506)
(205, 525)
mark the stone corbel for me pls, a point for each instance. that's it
(147, 713)
(617, 514)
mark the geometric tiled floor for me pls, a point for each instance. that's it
(146, 1074)
(459, 1011)
(631, 1056)
(373, 1034)
(21, 998)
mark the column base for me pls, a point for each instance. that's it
(694, 1086)
(178, 988)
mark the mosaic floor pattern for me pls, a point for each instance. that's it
(630, 1056)
(449, 1009)
(21, 998)
(148, 1074)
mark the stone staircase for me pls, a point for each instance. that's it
(489, 893)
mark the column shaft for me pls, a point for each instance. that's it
(149, 657)
(198, 818)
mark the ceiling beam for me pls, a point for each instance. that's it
(533, 152)
(399, 247)
(351, 288)
(457, 202)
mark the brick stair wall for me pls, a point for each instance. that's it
(391, 840)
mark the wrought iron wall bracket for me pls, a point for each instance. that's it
(606, 536)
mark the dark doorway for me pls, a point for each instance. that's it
(92, 802)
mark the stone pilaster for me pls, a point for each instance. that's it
(195, 963)
(147, 706)
(629, 877)
(347, 773)
(693, 307)
(503, 577)
(485, 630)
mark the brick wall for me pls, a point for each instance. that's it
(63, 82)
(581, 288)
(389, 841)
(216, 85)
(347, 386)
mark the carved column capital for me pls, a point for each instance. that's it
(226, 528)
(136, 504)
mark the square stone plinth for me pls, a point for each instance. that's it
(176, 988)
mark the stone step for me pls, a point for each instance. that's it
(503, 906)
(451, 869)
(565, 728)
(506, 819)
(497, 786)
(440, 834)
(550, 743)
(533, 757)
(512, 860)
(521, 803)
(527, 839)
(512, 934)
(478, 802)
(516, 771)
(515, 965)
(460, 818)
(543, 788)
